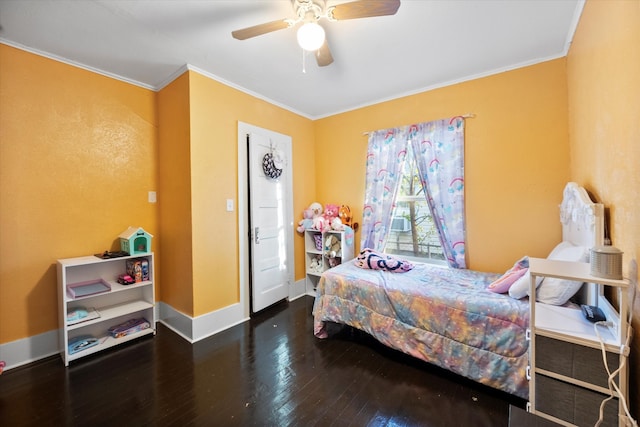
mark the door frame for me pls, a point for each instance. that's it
(244, 263)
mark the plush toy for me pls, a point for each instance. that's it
(336, 224)
(320, 224)
(315, 266)
(316, 208)
(345, 215)
(318, 221)
(330, 212)
(307, 221)
(348, 234)
(332, 246)
(347, 218)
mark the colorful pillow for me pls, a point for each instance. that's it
(504, 282)
(370, 259)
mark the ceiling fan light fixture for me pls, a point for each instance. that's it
(310, 36)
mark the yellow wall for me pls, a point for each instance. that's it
(77, 158)
(516, 157)
(79, 151)
(209, 177)
(174, 195)
(79, 154)
(97, 128)
(603, 70)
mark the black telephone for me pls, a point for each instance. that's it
(593, 313)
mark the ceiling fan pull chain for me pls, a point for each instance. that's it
(304, 68)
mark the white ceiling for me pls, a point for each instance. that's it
(427, 44)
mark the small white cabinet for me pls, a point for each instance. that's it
(567, 377)
(111, 307)
(319, 257)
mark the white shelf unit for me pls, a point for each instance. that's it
(312, 252)
(119, 304)
(567, 377)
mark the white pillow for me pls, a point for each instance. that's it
(566, 251)
(520, 287)
(558, 291)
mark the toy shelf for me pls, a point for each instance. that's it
(118, 304)
(113, 312)
(107, 341)
(321, 253)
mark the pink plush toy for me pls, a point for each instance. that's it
(321, 224)
(330, 212)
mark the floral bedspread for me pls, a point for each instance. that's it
(440, 315)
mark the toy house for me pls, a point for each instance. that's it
(135, 241)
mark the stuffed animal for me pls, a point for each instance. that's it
(320, 224)
(336, 224)
(318, 221)
(315, 266)
(307, 221)
(332, 246)
(330, 212)
(345, 215)
(316, 208)
(348, 234)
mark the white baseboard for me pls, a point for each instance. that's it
(192, 329)
(217, 321)
(30, 349)
(297, 290)
(178, 322)
(34, 348)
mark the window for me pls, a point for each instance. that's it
(439, 149)
(413, 234)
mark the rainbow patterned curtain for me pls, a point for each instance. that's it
(386, 155)
(438, 147)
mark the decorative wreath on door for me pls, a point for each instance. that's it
(272, 164)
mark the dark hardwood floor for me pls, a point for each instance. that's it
(270, 371)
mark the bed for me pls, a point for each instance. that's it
(448, 317)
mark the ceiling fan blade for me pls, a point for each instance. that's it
(365, 9)
(323, 55)
(258, 30)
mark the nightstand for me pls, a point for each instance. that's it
(568, 380)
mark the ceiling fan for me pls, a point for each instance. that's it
(311, 36)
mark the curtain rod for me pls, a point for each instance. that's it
(464, 116)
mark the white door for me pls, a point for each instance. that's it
(270, 217)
